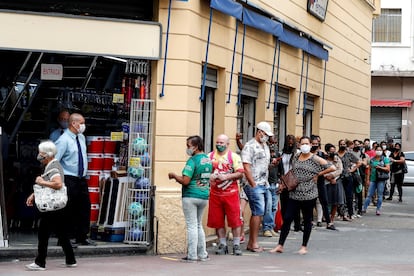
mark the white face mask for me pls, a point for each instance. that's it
(378, 152)
(264, 139)
(190, 151)
(82, 128)
(305, 148)
(384, 147)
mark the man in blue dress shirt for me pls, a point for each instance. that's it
(71, 152)
(63, 120)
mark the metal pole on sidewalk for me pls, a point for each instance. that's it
(4, 235)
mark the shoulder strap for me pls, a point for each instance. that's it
(230, 157)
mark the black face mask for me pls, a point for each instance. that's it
(357, 148)
(332, 155)
(314, 148)
(290, 148)
(342, 148)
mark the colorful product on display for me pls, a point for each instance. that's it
(139, 145)
(136, 234)
(135, 209)
(145, 159)
(142, 183)
(135, 172)
(140, 222)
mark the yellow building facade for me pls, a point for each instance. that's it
(339, 99)
(218, 72)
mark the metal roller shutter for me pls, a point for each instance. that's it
(385, 123)
(211, 78)
(250, 88)
(283, 96)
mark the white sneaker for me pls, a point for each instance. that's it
(34, 266)
(71, 265)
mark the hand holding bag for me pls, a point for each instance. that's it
(49, 199)
(382, 175)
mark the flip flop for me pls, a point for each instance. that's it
(256, 249)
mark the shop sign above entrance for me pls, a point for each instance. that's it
(51, 71)
(80, 35)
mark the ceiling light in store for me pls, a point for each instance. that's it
(115, 58)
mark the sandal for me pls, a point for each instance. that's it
(256, 249)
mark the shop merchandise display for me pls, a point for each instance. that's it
(140, 191)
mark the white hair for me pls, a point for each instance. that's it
(48, 147)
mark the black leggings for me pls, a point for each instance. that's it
(398, 180)
(284, 198)
(323, 198)
(292, 208)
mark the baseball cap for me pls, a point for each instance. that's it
(265, 127)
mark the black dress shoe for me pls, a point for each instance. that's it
(86, 242)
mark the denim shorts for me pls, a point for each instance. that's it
(258, 196)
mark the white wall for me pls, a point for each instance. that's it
(396, 56)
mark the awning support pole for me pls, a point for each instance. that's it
(323, 89)
(305, 92)
(300, 85)
(203, 86)
(277, 78)
(232, 61)
(241, 67)
(273, 71)
(166, 50)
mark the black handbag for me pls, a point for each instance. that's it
(404, 168)
(382, 175)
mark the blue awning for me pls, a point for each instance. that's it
(293, 39)
(317, 50)
(255, 20)
(268, 25)
(228, 7)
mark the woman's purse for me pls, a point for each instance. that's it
(288, 182)
(382, 175)
(49, 199)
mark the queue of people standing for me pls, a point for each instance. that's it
(338, 181)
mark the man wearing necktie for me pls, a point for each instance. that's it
(71, 148)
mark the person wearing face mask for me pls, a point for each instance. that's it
(72, 155)
(350, 164)
(307, 167)
(195, 181)
(52, 221)
(63, 121)
(380, 162)
(333, 183)
(256, 159)
(288, 152)
(397, 175)
(224, 195)
(321, 201)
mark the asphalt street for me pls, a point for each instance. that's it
(371, 245)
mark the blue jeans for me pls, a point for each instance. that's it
(196, 239)
(270, 209)
(259, 197)
(375, 185)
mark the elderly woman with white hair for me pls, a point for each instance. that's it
(51, 221)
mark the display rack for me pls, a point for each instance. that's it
(140, 193)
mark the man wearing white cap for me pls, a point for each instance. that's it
(256, 159)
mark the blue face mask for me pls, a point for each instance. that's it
(64, 124)
(40, 158)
